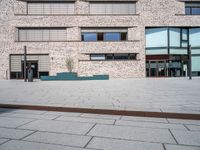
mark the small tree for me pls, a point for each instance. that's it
(69, 63)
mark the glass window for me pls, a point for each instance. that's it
(133, 56)
(111, 36)
(184, 34)
(175, 37)
(109, 56)
(121, 56)
(192, 8)
(97, 57)
(194, 37)
(196, 11)
(195, 63)
(187, 10)
(156, 37)
(89, 36)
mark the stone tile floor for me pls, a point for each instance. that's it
(44, 130)
(178, 95)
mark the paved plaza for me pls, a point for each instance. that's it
(178, 95)
(46, 130)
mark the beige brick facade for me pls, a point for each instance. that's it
(149, 13)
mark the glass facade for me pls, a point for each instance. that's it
(167, 51)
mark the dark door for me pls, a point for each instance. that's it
(33, 65)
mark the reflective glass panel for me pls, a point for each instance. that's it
(156, 37)
(111, 36)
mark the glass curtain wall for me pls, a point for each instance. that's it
(172, 43)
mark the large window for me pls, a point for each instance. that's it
(113, 56)
(156, 37)
(195, 37)
(192, 8)
(104, 35)
(160, 41)
(112, 8)
(48, 8)
(42, 34)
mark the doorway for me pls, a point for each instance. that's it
(156, 68)
(33, 65)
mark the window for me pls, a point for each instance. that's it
(42, 34)
(112, 7)
(97, 57)
(104, 35)
(89, 36)
(192, 8)
(175, 37)
(116, 56)
(194, 34)
(112, 37)
(154, 35)
(44, 7)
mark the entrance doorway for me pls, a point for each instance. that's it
(156, 68)
(32, 65)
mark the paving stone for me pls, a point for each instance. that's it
(3, 140)
(132, 133)
(101, 116)
(24, 145)
(146, 119)
(187, 137)
(58, 138)
(23, 111)
(183, 121)
(59, 126)
(193, 127)
(178, 147)
(91, 120)
(13, 133)
(114, 144)
(150, 124)
(13, 123)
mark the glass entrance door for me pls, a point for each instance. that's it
(156, 68)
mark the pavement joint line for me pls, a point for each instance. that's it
(131, 140)
(56, 117)
(88, 142)
(74, 146)
(147, 127)
(91, 129)
(173, 136)
(28, 135)
(17, 129)
(26, 123)
(7, 140)
(164, 146)
(114, 122)
(105, 111)
(186, 127)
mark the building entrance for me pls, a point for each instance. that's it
(166, 67)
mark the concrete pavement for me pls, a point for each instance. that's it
(178, 95)
(46, 130)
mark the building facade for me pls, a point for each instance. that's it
(122, 38)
